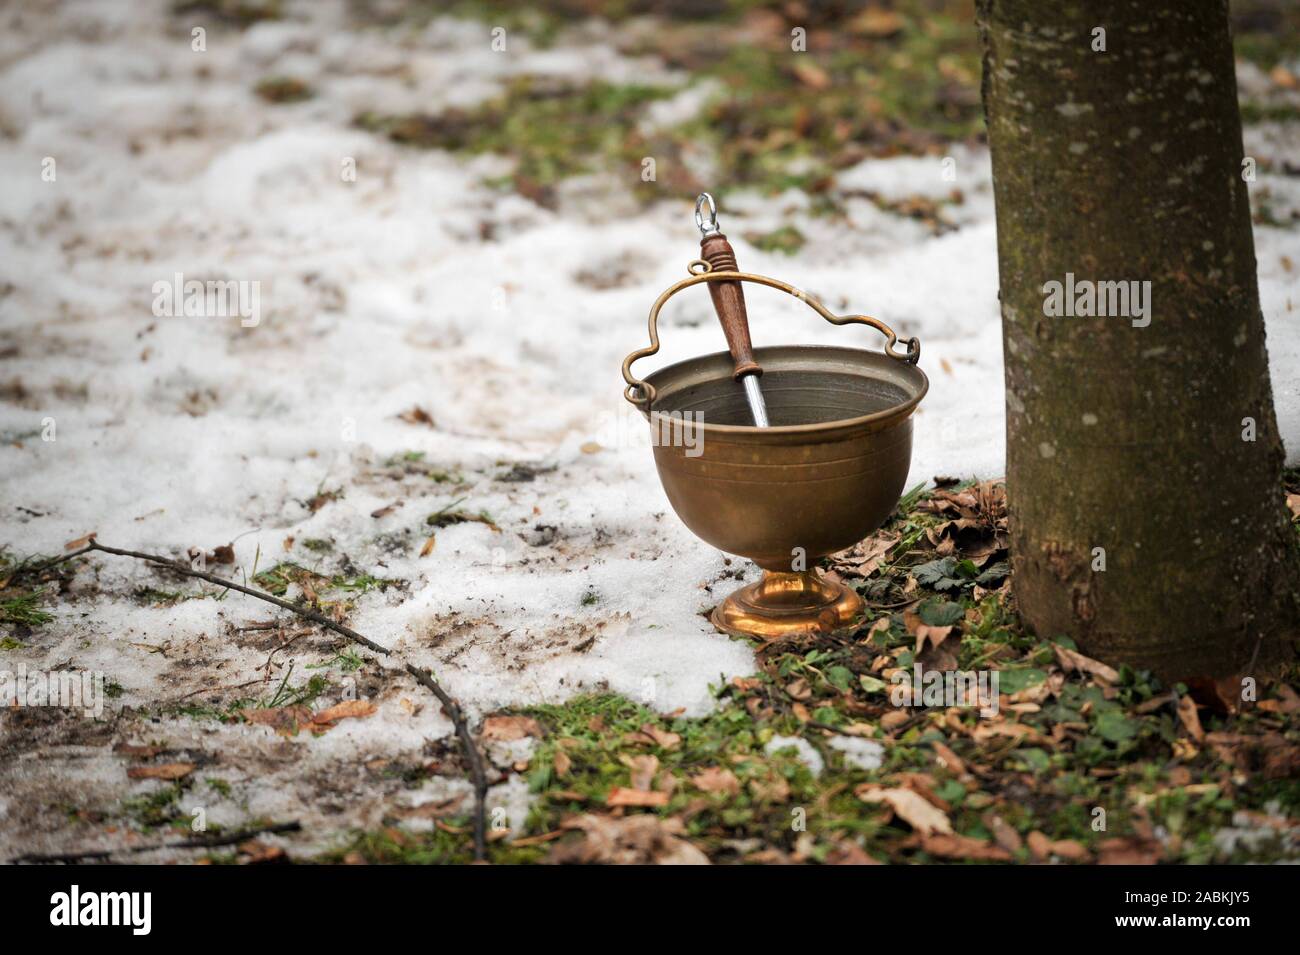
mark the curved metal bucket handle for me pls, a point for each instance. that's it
(642, 394)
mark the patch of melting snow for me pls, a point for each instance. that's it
(858, 752)
(804, 750)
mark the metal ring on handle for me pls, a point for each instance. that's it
(642, 394)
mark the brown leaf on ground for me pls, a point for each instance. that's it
(621, 796)
(715, 779)
(168, 771)
(908, 805)
(433, 809)
(562, 763)
(877, 23)
(256, 852)
(632, 840)
(1271, 755)
(1288, 701)
(1125, 851)
(651, 735)
(285, 720)
(225, 554)
(1018, 731)
(848, 852)
(949, 759)
(798, 689)
(934, 636)
(1071, 851)
(1187, 714)
(866, 557)
(1044, 849)
(506, 728)
(417, 415)
(136, 751)
(429, 543)
(1003, 833)
(810, 74)
(80, 542)
(952, 846)
(894, 718)
(643, 770)
(1073, 660)
(348, 709)
(774, 789)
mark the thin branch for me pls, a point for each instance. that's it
(197, 842)
(476, 770)
(478, 774)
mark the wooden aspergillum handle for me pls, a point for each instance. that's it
(729, 303)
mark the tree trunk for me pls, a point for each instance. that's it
(1143, 459)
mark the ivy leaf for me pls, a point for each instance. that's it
(871, 684)
(939, 574)
(1113, 726)
(839, 677)
(940, 613)
(1013, 681)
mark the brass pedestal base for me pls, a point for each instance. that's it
(787, 605)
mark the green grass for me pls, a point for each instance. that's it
(25, 609)
(552, 131)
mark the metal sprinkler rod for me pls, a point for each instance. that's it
(729, 302)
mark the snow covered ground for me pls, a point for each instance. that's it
(377, 296)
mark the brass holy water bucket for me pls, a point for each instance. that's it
(827, 473)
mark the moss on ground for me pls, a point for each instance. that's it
(868, 81)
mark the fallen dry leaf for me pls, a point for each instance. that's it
(348, 709)
(649, 734)
(1187, 714)
(1073, 660)
(643, 770)
(620, 796)
(285, 720)
(811, 75)
(256, 852)
(1003, 833)
(848, 852)
(169, 771)
(948, 758)
(1127, 851)
(639, 839)
(952, 846)
(715, 779)
(561, 763)
(139, 752)
(933, 635)
(910, 806)
(877, 23)
(417, 415)
(507, 728)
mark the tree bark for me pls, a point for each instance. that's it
(1129, 443)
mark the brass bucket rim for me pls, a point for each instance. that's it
(886, 416)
